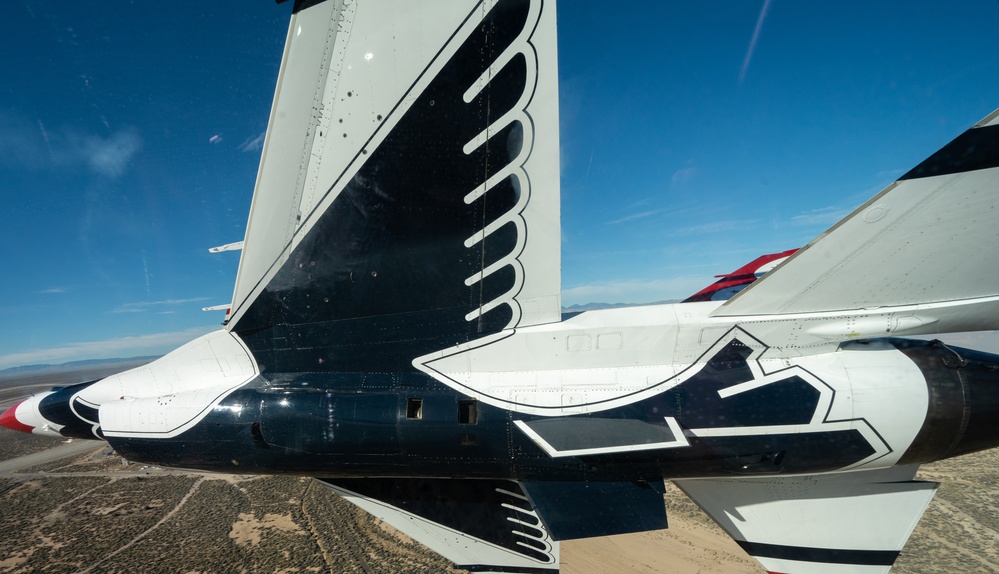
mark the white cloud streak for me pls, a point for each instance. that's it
(683, 176)
(143, 306)
(31, 145)
(634, 291)
(634, 216)
(253, 144)
(752, 42)
(823, 216)
(107, 156)
(717, 227)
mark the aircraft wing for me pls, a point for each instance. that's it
(924, 246)
(854, 522)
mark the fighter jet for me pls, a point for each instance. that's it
(396, 329)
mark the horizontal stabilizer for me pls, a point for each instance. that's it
(573, 510)
(480, 525)
(861, 519)
(924, 245)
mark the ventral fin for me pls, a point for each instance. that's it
(479, 525)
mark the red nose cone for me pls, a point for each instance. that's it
(8, 420)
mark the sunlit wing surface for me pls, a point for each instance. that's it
(922, 248)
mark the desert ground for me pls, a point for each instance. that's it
(79, 507)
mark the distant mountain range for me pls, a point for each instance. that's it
(87, 365)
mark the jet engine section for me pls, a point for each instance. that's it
(963, 407)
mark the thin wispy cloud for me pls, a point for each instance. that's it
(717, 227)
(34, 146)
(253, 144)
(635, 216)
(22, 142)
(108, 156)
(890, 174)
(753, 41)
(143, 306)
(122, 347)
(682, 176)
(53, 291)
(822, 216)
(633, 291)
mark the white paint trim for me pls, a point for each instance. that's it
(680, 441)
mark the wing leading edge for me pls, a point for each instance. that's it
(922, 247)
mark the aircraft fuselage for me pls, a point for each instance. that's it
(569, 401)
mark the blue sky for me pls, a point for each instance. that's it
(695, 136)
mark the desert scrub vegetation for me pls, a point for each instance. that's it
(14, 444)
(354, 541)
(113, 515)
(275, 534)
(960, 530)
(33, 527)
(195, 537)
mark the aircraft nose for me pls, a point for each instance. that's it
(24, 417)
(9, 419)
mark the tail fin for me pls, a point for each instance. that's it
(927, 243)
(407, 195)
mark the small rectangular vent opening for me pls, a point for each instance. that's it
(414, 409)
(468, 413)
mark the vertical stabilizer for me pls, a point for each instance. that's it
(408, 187)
